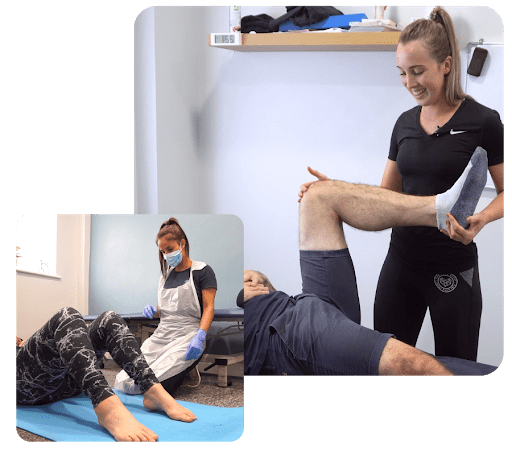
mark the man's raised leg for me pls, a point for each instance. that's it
(329, 203)
(326, 266)
(372, 208)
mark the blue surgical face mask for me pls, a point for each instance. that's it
(174, 258)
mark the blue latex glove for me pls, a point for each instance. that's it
(149, 311)
(196, 345)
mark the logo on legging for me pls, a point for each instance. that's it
(445, 283)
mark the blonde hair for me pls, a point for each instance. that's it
(438, 35)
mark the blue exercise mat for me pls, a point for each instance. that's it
(74, 419)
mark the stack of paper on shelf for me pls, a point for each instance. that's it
(374, 25)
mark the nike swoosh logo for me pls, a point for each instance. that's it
(457, 132)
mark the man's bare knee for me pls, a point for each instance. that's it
(320, 227)
(318, 201)
(319, 194)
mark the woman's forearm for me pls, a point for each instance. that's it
(206, 319)
(496, 209)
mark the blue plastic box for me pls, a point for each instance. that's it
(339, 21)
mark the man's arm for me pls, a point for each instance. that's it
(254, 277)
(255, 284)
(254, 290)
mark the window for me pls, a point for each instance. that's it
(36, 243)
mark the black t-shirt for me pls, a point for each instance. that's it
(203, 279)
(431, 164)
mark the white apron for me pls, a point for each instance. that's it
(165, 350)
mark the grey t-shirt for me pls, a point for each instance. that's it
(203, 279)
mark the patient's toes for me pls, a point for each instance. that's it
(157, 399)
(178, 412)
(150, 436)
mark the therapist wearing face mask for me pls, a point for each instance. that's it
(186, 295)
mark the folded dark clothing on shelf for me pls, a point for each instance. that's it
(258, 24)
(299, 15)
(308, 15)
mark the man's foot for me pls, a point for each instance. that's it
(157, 399)
(461, 199)
(120, 423)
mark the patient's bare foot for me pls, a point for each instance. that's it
(120, 423)
(157, 399)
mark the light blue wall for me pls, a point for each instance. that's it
(124, 268)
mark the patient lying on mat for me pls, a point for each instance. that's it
(59, 361)
(318, 331)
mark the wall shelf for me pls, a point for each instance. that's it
(316, 41)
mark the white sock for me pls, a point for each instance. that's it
(461, 199)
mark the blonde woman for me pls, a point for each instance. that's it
(431, 145)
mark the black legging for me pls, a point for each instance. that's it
(59, 360)
(173, 383)
(454, 300)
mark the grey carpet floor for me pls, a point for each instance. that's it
(206, 393)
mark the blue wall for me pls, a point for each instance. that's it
(124, 268)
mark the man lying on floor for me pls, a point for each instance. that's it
(318, 332)
(59, 361)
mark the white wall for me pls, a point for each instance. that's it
(37, 297)
(146, 195)
(263, 117)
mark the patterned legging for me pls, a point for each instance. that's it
(59, 360)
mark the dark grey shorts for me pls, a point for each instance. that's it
(320, 334)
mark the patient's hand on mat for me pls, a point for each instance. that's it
(120, 423)
(20, 342)
(157, 399)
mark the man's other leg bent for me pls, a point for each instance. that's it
(398, 358)
(323, 341)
